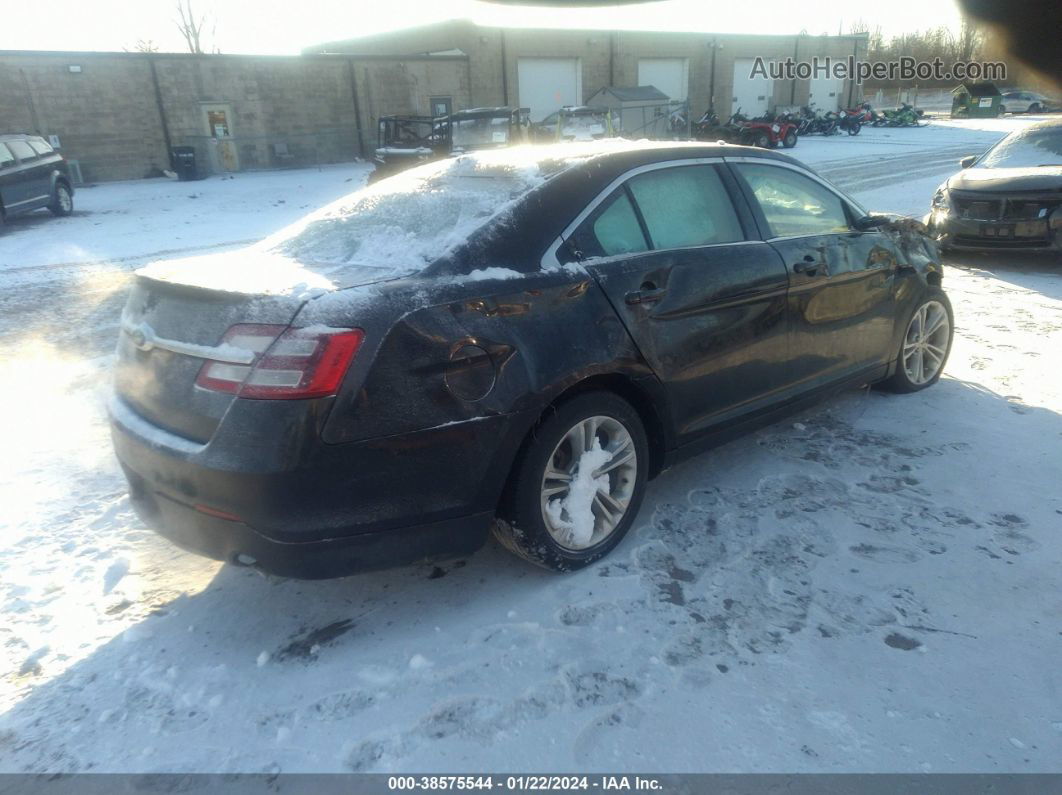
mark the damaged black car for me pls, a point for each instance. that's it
(1008, 198)
(514, 340)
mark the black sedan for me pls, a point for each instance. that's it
(516, 339)
(1008, 198)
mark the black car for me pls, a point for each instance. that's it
(33, 175)
(1010, 197)
(516, 339)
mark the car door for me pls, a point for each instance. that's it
(842, 281)
(702, 299)
(32, 178)
(10, 187)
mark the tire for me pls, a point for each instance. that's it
(62, 200)
(1034, 108)
(531, 519)
(761, 140)
(790, 139)
(909, 360)
(853, 127)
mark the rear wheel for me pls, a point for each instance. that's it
(578, 485)
(790, 139)
(62, 200)
(1034, 108)
(853, 127)
(761, 140)
(925, 346)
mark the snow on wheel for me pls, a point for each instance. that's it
(577, 488)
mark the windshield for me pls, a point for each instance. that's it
(483, 131)
(1026, 149)
(583, 128)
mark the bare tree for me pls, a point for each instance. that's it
(143, 45)
(190, 26)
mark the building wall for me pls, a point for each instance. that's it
(105, 115)
(607, 57)
(282, 111)
(300, 110)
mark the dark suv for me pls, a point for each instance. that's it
(33, 175)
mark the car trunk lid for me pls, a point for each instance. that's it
(169, 331)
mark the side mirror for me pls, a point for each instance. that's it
(968, 161)
(868, 222)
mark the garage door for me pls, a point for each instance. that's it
(546, 84)
(670, 75)
(751, 94)
(827, 93)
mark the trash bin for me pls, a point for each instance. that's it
(184, 162)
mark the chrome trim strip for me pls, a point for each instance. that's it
(27, 201)
(144, 338)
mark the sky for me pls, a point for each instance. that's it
(263, 27)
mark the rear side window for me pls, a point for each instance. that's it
(685, 206)
(21, 150)
(6, 158)
(793, 204)
(612, 230)
(40, 146)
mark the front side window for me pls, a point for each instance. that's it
(21, 150)
(793, 204)
(6, 158)
(686, 206)
(612, 230)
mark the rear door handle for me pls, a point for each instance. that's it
(809, 265)
(645, 295)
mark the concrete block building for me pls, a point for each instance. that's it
(546, 68)
(120, 114)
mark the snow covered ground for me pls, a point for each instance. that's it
(873, 585)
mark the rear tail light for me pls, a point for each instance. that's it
(291, 364)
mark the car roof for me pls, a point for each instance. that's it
(16, 136)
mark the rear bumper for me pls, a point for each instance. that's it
(237, 543)
(331, 510)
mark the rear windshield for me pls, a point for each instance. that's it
(1027, 149)
(401, 224)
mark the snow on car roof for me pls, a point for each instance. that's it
(391, 229)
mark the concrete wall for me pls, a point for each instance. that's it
(282, 111)
(300, 110)
(105, 115)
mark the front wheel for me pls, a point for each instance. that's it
(578, 484)
(1034, 108)
(761, 140)
(853, 128)
(790, 139)
(925, 346)
(62, 200)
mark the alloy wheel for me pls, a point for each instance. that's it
(926, 344)
(572, 497)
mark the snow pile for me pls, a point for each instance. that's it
(573, 511)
